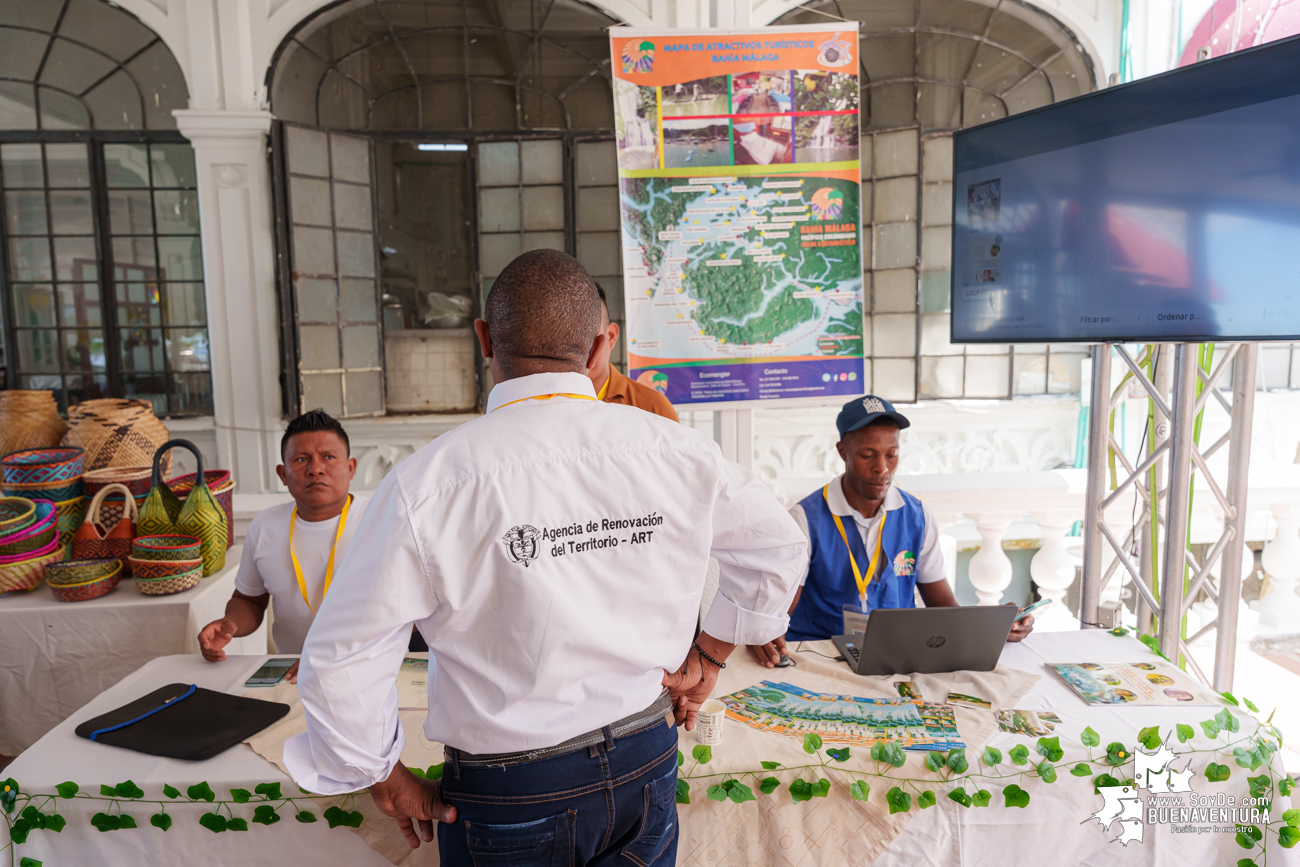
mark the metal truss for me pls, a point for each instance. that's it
(1173, 456)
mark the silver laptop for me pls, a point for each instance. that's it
(929, 640)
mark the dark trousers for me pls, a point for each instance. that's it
(613, 803)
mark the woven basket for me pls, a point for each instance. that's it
(116, 433)
(165, 586)
(27, 574)
(36, 466)
(85, 590)
(16, 513)
(72, 572)
(48, 548)
(135, 478)
(71, 515)
(29, 420)
(223, 490)
(106, 532)
(169, 547)
(150, 569)
(53, 491)
(199, 516)
(34, 536)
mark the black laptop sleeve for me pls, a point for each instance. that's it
(183, 721)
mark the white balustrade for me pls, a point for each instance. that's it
(990, 568)
(1279, 609)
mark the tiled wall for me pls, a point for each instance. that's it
(430, 370)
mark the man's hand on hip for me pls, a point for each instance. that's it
(692, 683)
(412, 801)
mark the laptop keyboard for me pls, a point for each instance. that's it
(854, 651)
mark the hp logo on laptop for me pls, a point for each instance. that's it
(935, 641)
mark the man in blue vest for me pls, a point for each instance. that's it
(863, 520)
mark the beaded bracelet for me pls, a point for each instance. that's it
(720, 665)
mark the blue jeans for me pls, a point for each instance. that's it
(598, 805)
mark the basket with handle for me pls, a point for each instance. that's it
(199, 516)
(223, 489)
(98, 537)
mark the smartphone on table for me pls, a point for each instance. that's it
(271, 672)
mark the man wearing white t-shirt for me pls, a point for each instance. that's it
(293, 550)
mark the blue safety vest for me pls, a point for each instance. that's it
(830, 585)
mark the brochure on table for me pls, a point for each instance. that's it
(1140, 684)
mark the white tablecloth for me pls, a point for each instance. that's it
(1052, 830)
(57, 656)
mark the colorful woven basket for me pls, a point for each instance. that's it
(36, 535)
(71, 515)
(16, 513)
(47, 548)
(79, 580)
(223, 490)
(150, 569)
(55, 491)
(27, 574)
(166, 586)
(32, 466)
(137, 479)
(169, 547)
(199, 516)
(106, 533)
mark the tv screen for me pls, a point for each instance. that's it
(1163, 210)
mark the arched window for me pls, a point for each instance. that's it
(102, 274)
(447, 138)
(929, 67)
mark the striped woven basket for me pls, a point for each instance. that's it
(148, 569)
(16, 513)
(34, 536)
(80, 580)
(54, 491)
(135, 478)
(71, 515)
(167, 586)
(116, 432)
(167, 547)
(28, 574)
(33, 466)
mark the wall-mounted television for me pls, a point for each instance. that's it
(1167, 209)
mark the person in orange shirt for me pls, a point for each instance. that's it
(612, 386)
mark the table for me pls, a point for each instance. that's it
(1052, 830)
(57, 656)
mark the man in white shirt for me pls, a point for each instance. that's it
(872, 544)
(292, 551)
(553, 554)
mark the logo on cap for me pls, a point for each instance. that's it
(873, 404)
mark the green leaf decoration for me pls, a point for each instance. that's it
(878, 751)
(172, 792)
(1083, 769)
(800, 790)
(435, 771)
(839, 755)
(1245, 758)
(702, 753)
(8, 794)
(1119, 630)
(821, 788)
(1117, 754)
(1230, 699)
(1288, 836)
(681, 759)
(1210, 727)
(1292, 817)
(1216, 773)
(740, 793)
(715, 793)
(19, 830)
(1050, 749)
(1047, 772)
(992, 757)
(1090, 738)
(812, 742)
(768, 785)
(1250, 705)
(337, 816)
(1102, 781)
(898, 800)
(201, 792)
(1246, 839)
(214, 822)
(957, 761)
(28, 862)
(67, 790)
(105, 822)
(160, 820)
(307, 818)
(770, 766)
(894, 755)
(1227, 722)
(934, 761)
(960, 796)
(1185, 733)
(683, 792)
(926, 799)
(859, 790)
(270, 791)
(1019, 754)
(265, 815)
(1149, 737)
(1285, 785)
(418, 772)
(240, 796)
(981, 798)
(129, 790)
(237, 824)
(1260, 786)
(1015, 796)
(107, 791)
(54, 822)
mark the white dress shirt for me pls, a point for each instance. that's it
(553, 554)
(267, 568)
(929, 561)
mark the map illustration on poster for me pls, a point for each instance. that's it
(741, 215)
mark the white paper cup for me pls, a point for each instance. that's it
(708, 724)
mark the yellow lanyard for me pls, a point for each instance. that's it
(546, 397)
(329, 566)
(600, 395)
(853, 561)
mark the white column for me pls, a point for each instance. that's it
(733, 431)
(1053, 568)
(990, 569)
(230, 151)
(1280, 607)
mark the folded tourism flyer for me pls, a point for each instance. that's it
(793, 711)
(1140, 684)
(413, 684)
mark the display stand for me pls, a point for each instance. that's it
(1174, 453)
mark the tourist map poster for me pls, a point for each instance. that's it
(1138, 684)
(741, 211)
(793, 711)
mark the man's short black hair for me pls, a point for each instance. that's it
(543, 305)
(315, 420)
(600, 290)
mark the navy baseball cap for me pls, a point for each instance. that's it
(862, 411)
